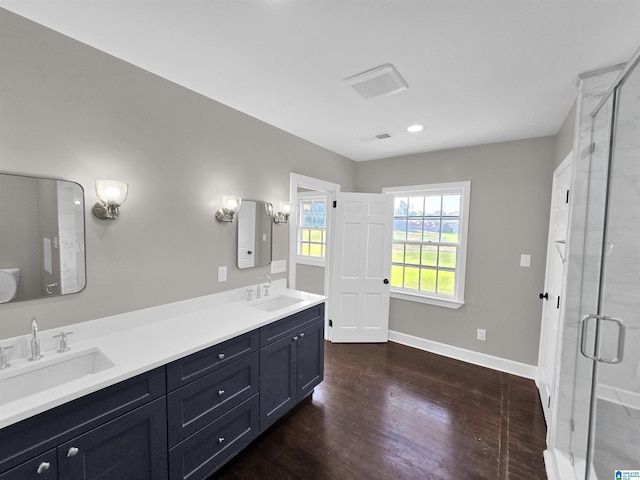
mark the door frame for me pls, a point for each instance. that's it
(331, 189)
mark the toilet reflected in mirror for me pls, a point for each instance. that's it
(9, 281)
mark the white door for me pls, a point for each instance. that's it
(361, 268)
(552, 307)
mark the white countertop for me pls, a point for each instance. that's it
(142, 340)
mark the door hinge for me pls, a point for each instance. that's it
(572, 425)
(335, 203)
(331, 323)
(558, 303)
(567, 199)
(593, 147)
(549, 402)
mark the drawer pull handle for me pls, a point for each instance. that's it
(220, 356)
(220, 393)
(302, 334)
(43, 467)
(73, 451)
(295, 339)
(221, 439)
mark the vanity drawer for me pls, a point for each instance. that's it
(205, 451)
(201, 402)
(275, 331)
(199, 364)
(43, 467)
(31, 437)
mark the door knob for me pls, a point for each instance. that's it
(386, 281)
(544, 295)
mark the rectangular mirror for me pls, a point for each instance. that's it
(42, 240)
(254, 233)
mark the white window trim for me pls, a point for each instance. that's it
(305, 259)
(440, 189)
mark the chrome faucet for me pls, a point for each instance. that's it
(35, 341)
(266, 287)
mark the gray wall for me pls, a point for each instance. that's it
(564, 139)
(69, 111)
(509, 215)
(310, 278)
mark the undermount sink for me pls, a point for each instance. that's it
(53, 370)
(277, 303)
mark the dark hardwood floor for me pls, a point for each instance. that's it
(390, 412)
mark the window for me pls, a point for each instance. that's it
(430, 242)
(312, 228)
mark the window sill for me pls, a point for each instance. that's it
(313, 261)
(439, 302)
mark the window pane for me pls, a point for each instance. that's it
(451, 205)
(400, 206)
(429, 256)
(448, 257)
(431, 230)
(446, 282)
(305, 235)
(411, 277)
(315, 236)
(315, 250)
(416, 206)
(428, 280)
(412, 255)
(450, 228)
(432, 206)
(397, 275)
(414, 229)
(324, 251)
(397, 254)
(304, 249)
(399, 228)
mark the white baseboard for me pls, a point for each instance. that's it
(469, 356)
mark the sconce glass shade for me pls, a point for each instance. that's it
(282, 216)
(230, 206)
(111, 194)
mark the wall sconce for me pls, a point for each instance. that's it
(111, 194)
(282, 216)
(230, 206)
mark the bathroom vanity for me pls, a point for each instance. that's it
(184, 418)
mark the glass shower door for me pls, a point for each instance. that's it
(615, 410)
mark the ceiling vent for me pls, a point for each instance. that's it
(375, 137)
(383, 80)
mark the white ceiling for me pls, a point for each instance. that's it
(479, 71)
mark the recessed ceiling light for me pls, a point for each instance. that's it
(415, 128)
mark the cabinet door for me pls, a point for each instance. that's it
(310, 358)
(43, 467)
(277, 380)
(131, 447)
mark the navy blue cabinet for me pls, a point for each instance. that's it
(180, 421)
(42, 467)
(131, 447)
(291, 363)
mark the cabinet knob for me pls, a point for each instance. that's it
(221, 439)
(220, 356)
(295, 339)
(220, 393)
(43, 467)
(73, 451)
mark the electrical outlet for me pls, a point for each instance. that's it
(222, 274)
(481, 334)
(278, 266)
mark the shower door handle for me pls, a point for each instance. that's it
(583, 338)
